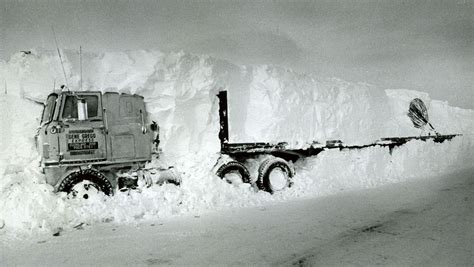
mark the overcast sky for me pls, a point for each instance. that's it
(421, 45)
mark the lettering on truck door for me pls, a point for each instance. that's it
(83, 139)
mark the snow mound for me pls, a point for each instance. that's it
(266, 103)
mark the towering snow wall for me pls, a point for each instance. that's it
(266, 103)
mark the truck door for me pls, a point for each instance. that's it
(45, 139)
(126, 117)
(132, 107)
(83, 138)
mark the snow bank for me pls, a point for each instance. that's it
(28, 205)
(334, 171)
(18, 122)
(296, 108)
(444, 118)
(266, 103)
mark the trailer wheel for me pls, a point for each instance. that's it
(234, 171)
(274, 175)
(82, 183)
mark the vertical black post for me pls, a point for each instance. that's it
(223, 119)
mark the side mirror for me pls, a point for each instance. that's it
(82, 109)
(154, 126)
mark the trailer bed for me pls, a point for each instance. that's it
(246, 150)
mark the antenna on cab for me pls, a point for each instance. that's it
(80, 60)
(60, 58)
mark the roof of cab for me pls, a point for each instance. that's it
(58, 92)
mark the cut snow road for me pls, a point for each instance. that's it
(424, 222)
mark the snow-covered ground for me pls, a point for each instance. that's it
(426, 222)
(267, 103)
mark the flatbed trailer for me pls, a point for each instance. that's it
(279, 166)
(282, 149)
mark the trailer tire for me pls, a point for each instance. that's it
(283, 175)
(94, 176)
(234, 166)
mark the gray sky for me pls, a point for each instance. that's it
(421, 45)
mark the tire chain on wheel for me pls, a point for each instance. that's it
(86, 174)
(234, 166)
(264, 172)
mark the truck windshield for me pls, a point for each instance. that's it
(49, 109)
(70, 106)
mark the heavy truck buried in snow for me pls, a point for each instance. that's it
(93, 141)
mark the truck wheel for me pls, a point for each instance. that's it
(82, 183)
(234, 172)
(274, 174)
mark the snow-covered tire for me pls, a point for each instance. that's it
(274, 174)
(95, 177)
(234, 167)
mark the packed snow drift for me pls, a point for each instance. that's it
(266, 104)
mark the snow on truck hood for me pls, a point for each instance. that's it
(266, 104)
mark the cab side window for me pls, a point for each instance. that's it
(49, 109)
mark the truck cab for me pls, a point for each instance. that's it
(102, 132)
